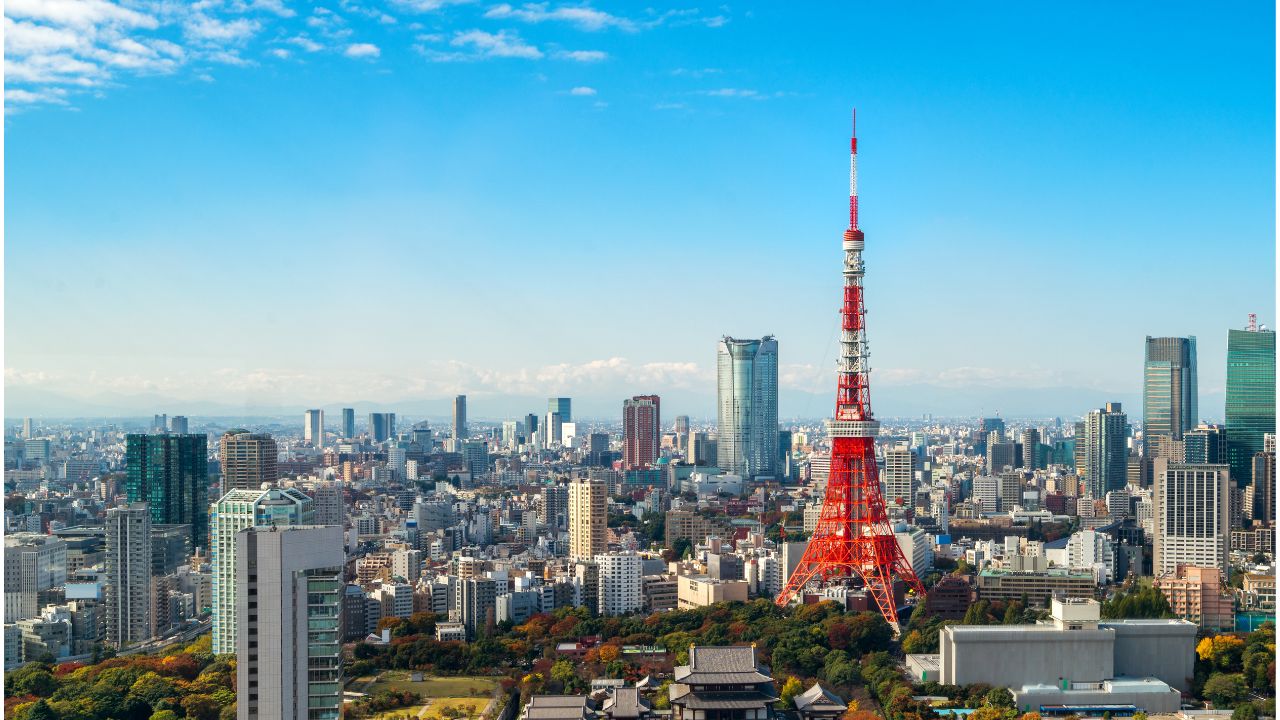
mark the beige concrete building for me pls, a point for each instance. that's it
(695, 591)
(588, 523)
(1258, 592)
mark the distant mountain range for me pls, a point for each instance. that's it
(889, 401)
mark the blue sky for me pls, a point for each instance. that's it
(303, 203)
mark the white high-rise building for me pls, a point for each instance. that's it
(1192, 516)
(1088, 549)
(128, 588)
(899, 477)
(747, 404)
(290, 592)
(236, 511)
(33, 563)
(587, 519)
(620, 589)
(313, 427)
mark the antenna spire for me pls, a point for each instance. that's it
(853, 174)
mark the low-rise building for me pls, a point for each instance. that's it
(1258, 592)
(700, 591)
(721, 683)
(1075, 660)
(1038, 588)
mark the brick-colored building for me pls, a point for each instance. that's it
(1199, 595)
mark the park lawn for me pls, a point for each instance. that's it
(471, 706)
(411, 711)
(436, 687)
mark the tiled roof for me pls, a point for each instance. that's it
(818, 697)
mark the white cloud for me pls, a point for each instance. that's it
(479, 45)
(280, 53)
(362, 50)
(204, 29)
(582, 56)
(84, 14)
(734, 93)
(305, 43)
(585, 18)
(424, 6)
(583, 90)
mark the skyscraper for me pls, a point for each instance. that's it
(313, 427)
(1169, 392)
(641, 431)
(235, 511)
(475, 456)
(1106, 450)
(128, 586)
(26, 428)
(899, 476)
(460, 417)
(1031, 449)
(476, 602)
(382, 426)
(1204, 445)
(348, 423)
(248, 459)
(587, 519)
(747, 402)
(551, 429)
(560, 405)
(171, 474)
(289, 661)
(1191, 516)
(178, 424)
(1260, 496)
(1251, 396)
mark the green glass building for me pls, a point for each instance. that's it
(170, 473)
(1251, 397)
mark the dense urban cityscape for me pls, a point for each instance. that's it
(289, 207)
(325, 570)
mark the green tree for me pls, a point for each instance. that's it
(30, 680)
(164, 715)
(563, 672)
(1000, 697)
(1244, 711)
(1225, 690)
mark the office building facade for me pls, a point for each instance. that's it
(563, 406)
(382, 426)
(1106, 450)
(1191, 516)
(1170, 396)
(234, 512)
(348, 423)
(248, 460)
(747, 406)
(313, 427)
(460, 417)
(171, 474)
(1251, 397)
(290, 593)
(641, 431)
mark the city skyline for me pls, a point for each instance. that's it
(997, 156)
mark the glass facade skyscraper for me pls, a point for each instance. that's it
(1251, 397)
(1106, 452)
(562, 406)
(747, 403)
(171, 474)
(382, 426)
(1169, 390)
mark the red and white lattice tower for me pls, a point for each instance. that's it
(853, 540)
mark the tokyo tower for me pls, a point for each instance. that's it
(853, 539)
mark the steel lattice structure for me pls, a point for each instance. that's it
(853, 539)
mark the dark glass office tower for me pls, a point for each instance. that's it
(171, 474)
(1169, 392)
(1251, 397)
